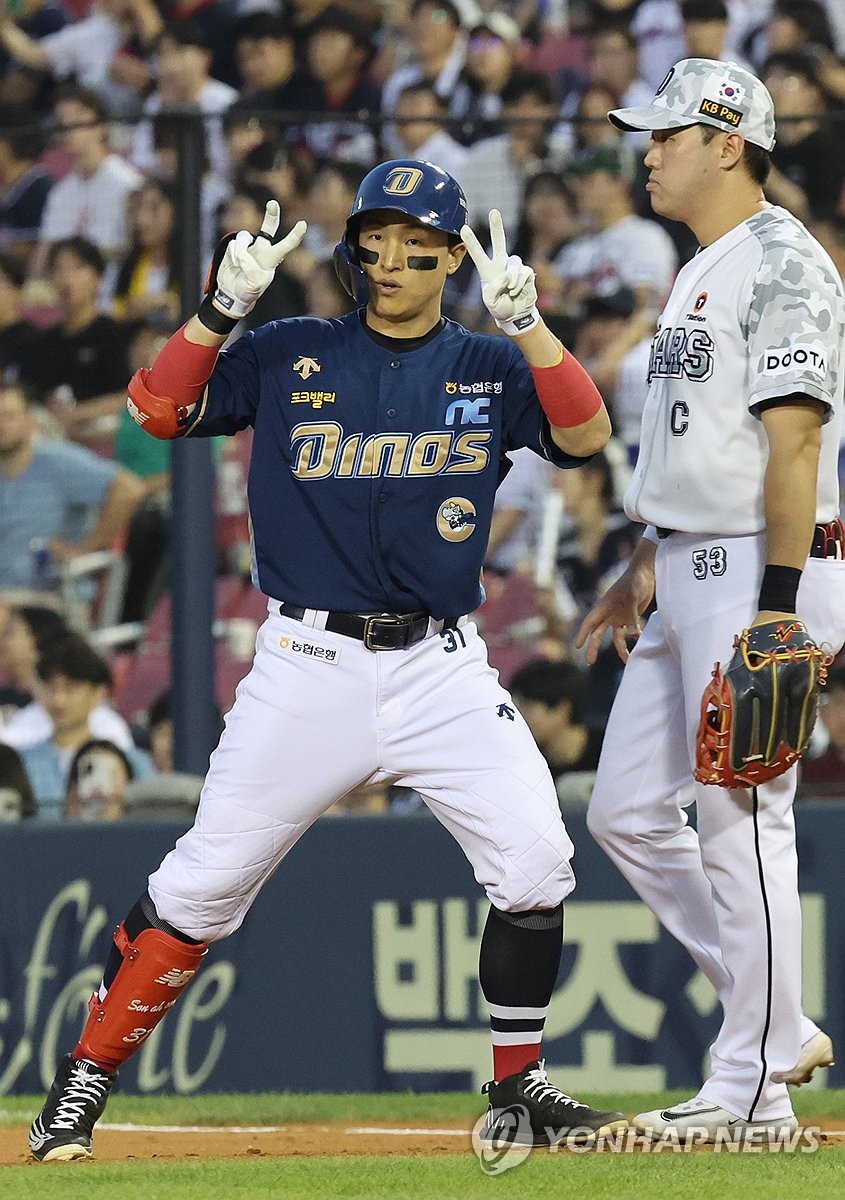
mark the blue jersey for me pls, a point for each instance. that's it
(373, 472)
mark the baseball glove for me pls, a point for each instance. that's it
(757, 716)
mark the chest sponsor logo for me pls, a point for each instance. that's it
(720, 111)
(493, 387)
(315, 399)
(473, 404)
(678, 352)
(456, 519)
(801, 357)
(321, 449)
(306, 367)
(294, 645)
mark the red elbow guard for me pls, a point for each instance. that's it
(567, 393)
(162, 400)
(160, 417)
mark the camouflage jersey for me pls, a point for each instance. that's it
(757, 315)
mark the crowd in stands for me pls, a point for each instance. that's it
(299, 98)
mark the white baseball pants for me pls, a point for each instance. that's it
(729, 891)
(319, 714)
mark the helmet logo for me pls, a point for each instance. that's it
(403, 181)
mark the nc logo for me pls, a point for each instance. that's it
(468, 412)
(402, 181)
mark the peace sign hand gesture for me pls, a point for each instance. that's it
(244, 266)
(508, 286)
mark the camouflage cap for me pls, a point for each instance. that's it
(705, 91)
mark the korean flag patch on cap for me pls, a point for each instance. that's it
(731, 93)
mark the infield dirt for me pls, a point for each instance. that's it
(289, 1141)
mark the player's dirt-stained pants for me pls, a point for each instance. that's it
(319, 714)
(728, 892)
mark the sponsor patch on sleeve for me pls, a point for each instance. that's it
(803, 357)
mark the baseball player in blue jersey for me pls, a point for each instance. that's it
(379, 442)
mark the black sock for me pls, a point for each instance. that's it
(518, 966)
(519, 962)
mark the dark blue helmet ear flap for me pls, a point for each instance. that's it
(350, 274)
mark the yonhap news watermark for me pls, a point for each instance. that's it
(509, 1140)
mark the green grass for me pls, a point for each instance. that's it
(562, 1176)
(281, 1108)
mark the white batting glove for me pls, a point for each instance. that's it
(249, 264)
(508, 286)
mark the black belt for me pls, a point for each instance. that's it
(828, 540)
(378, 631)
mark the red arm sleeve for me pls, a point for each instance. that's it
(567, 393)
(162, 399)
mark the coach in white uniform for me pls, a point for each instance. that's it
(736, 483)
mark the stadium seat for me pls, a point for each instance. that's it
(510, 620)
(231, 519)
(145, 672)
(168, 796)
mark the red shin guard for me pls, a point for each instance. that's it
(156, 969)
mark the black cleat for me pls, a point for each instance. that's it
(526, 1109)
(62, 1130)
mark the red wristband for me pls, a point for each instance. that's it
(182, 369)
(568, 395)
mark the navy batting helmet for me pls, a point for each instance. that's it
(407, 185)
